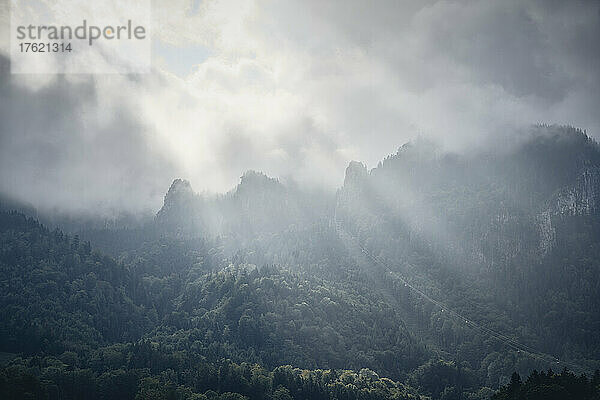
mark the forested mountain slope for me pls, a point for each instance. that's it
(506, 238)
(86, 326)
(510, 238)
(57, 295)
(447, 272)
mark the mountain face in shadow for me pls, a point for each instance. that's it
(259, 205)
(432, 274)
(481, 208)
(506, 221)
(478, 209)
(520, 224)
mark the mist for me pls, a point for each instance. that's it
(301, 200)
(295, 90)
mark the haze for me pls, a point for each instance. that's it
(295, 89)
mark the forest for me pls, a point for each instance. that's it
(433, 275)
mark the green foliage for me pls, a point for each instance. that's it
(551, 386)
(56, 294)
(261, 296)
(275, 317)
(509, 239)
(194, 379)
(81, 302)
(442, 379)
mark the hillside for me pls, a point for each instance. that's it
(84, 325)
(432, 274)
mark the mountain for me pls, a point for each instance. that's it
(464, 204)
(58, 295)
(520, 225)
(258, 205)
(76, 324)
(432, 274)
(179, 205)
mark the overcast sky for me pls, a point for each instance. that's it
(296, 89)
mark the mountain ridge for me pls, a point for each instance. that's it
(270, 274)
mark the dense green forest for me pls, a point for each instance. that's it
(432, 275)
(490, 231)
(87, 327)
(547, 385)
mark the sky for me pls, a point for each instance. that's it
(295, 89)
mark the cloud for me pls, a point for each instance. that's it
(62, 147)
(299, 88)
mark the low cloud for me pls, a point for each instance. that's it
(60, 150)
(297, 89)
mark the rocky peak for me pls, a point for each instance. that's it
(179, 199)
(252, 176)
(180, 189)
(180, 185)
(356, 174)
(253, 182)
(354, 184)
